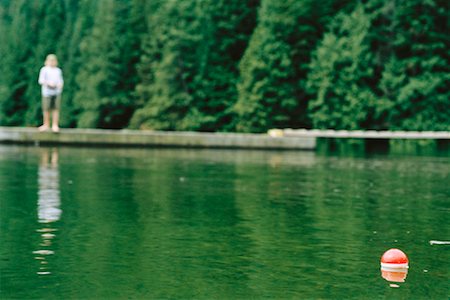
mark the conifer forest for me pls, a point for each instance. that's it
(230, 65)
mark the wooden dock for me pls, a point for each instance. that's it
(282, 139)
(360, 134)
(140, 138)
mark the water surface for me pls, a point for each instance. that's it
(85, 223)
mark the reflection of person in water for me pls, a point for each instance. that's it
(48, 206)
(48, 195)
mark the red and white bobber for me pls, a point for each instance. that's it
(394, 259)
(394, 275)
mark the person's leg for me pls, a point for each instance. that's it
(55, 113)
(55, 120)
(45, 113)
(46, 117)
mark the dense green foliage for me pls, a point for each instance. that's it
(384, 66)
(225, 65)
(273, 70)
(189, 67)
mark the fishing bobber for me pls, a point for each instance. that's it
(394, 259)
(394, 275)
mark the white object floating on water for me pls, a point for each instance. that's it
(439, 242)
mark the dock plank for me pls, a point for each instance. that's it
(369, 134)
(140, 138)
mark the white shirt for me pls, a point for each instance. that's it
(48, 77)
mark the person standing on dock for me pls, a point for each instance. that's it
(51, 80)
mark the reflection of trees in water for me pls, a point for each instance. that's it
(48, 205)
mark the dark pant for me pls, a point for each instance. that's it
(51, 102)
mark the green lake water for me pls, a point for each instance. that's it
(99, 223)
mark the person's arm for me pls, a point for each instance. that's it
(61, 80)
(41, 79)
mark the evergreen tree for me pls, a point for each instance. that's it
(78, 22)
(340, 75)
(414, 85)
(106, 78)
(385, 66)
(149, 56)
(219, 65)
(31, 32)
(18, 23)
(227, 28)
(267, 89)
(47, 31)
(5, 56)
(272, 92)
(176, 31)
(189, 65)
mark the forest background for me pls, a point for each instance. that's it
(230, 65)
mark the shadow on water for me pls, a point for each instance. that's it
(370, 147)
